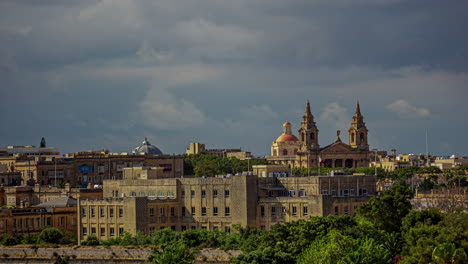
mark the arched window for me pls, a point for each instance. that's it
(352, 137)
(285, 152)
(132, 193)
(161, 195)
(302, 137)
(361, 137)
(170, 194)
(151, 195)
(142, 194)
(312, 136)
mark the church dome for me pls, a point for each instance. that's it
(147, 148)
(287, 134)
(286, 138)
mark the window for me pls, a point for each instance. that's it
(364, 191)
(62, 221)
(142, 194)
(84, 231)
(215, 193)
(346, 210)
(93, 212)
(161, 211)
(333, 193)
(192, 193)
(336, 210)
(283, 211)
(183, 228)
(203, 211)
(102, 212)
(83, 212)
(183, 211)
(292, 193)
(172, 211)
(203, 193)
(120, 212)
(193, 210)
(193, 227)
(132, 193)
(262, 227)
(173, 228)
(302, 193)
(160, 195)
(93, 231)
(121, 230)
(305, 211)
(151, 212)
(111, 212)
(112, 231)
(352, 192)
(345, 192)
(103, 231)
(273, 211)
(270, 193)
(226, 193)
(227, 229)
(215, 211)
(325, 192)
(170, 194)
(227, 211)
(151, 195)
(262, 210)
(294, 210)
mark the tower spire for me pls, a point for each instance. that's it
(358, 108)
(308, 112)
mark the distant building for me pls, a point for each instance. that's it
(305, 151)
(198, 148)
(133, 205)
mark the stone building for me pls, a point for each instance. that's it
(217, 203)
(60, 213)
(198, 148)
(305, 151)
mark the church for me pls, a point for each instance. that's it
(305, 151)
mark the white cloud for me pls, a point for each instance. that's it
(337, 115)
(160, 109)
(405, 110)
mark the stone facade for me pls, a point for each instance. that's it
(218, 203)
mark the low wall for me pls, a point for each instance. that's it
(82, 255)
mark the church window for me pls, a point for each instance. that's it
(285, 152)
(312, 136)
(302, 137)
(361, 137)
(352, 137)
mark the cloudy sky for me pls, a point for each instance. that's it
(104, 74)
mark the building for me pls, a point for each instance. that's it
(305, 151)
(59, 213)
(133, 205)
(198, 148)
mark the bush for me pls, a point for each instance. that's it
(7, 241)
(91, 240)
(50, 235)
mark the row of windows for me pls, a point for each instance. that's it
(345, 210)
(227, 194)
(290, 193)
(273, 211)
(102, 232)
(346, 192)
(102, 212)
(227, 229)
(161, 194)
(162, 211)
(32, 222)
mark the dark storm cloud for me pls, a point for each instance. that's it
(94, 74)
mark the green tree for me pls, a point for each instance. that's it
(264, 256)
(91, 240)
(446, 253)
(336, 248)
(172, 253)
(50, 235)
(386, 212)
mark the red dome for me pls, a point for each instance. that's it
(286, 137)
(286, 123)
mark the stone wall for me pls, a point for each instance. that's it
(82, 255)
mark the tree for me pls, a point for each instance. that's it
(50, 235)
(173, 253)
(386, 212)
(91, 240)
(337, 248)
(264, 256)
(446, 253)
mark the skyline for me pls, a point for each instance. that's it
(106, 74)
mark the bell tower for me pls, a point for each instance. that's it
(358, 131)
(308, 132)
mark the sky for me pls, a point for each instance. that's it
(90, 75)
